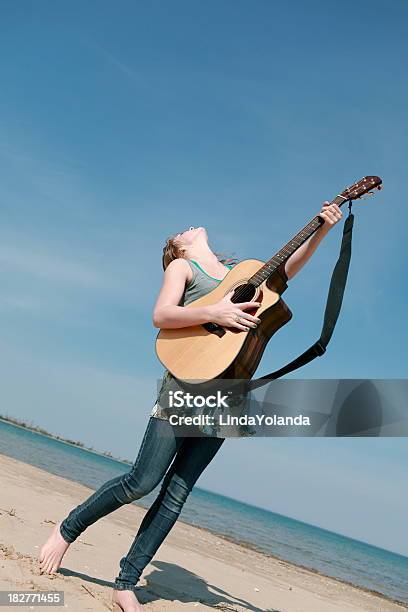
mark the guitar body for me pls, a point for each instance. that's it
(206, 352)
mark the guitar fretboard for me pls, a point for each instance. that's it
(290, 247)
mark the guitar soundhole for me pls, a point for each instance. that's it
(243, 293)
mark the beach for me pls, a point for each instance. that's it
(193, 570)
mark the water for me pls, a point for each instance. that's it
(294, 541)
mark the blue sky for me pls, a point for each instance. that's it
(122, 123)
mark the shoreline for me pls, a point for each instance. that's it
(211, 558)
(253, 547)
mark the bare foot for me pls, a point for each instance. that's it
(52, 552)
(126, 600)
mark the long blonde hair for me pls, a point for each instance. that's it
(171, 251)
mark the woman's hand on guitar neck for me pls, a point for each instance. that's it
(331, 214)
(228, 314)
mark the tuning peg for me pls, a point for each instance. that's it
(367, 193)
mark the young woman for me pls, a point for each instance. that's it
(191, 270)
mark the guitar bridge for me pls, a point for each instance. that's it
(214, 328)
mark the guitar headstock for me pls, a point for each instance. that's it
(362, 187)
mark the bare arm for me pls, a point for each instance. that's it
(331, 215)
(168, 314)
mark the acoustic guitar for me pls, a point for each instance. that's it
(204, 352)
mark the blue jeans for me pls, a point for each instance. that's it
(180, 460)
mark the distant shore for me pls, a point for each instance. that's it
(44, 432)
(194, 569)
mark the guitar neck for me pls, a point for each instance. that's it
(290, 247)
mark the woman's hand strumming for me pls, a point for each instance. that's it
(228, 314)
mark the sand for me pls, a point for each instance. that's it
(193, 570)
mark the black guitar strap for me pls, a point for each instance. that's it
(331, 314)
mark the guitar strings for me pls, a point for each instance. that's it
(246, 289)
